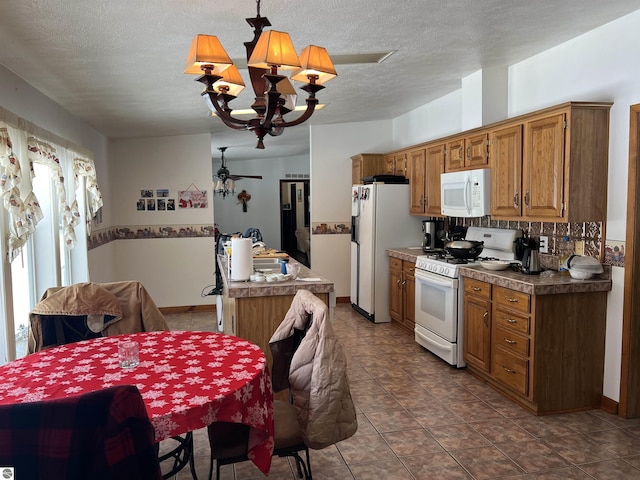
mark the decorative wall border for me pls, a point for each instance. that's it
(331, 228)
(145, 232)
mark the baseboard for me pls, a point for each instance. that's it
(609, 405)
(187, 309)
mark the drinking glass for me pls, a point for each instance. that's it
(128, 355)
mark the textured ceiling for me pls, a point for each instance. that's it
(118, 64)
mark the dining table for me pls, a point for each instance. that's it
(188, 380)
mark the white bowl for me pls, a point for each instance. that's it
(580, 274)
(495, 264)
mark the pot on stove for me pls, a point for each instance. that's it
(464, 249)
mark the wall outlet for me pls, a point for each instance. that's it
(544, 244)
(579, 247)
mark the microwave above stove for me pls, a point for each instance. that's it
(466, 193)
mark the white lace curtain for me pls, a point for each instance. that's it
(19, 151)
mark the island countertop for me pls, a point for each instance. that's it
(307, 280)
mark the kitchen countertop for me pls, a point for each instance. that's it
(408, 254)
(555, 283)
(263, 289)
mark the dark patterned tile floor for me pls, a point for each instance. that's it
(420, 419)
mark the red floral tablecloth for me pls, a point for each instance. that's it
(187, 379)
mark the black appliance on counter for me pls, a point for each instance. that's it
(430, 238)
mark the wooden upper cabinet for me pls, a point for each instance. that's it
(543, 167)
(425, 166)
(434, 168)
(390, 164)
(552, 165)
(365, 165)
(549, 165)
(396, 164)
(477, 150)
(417, 169)
(455, 155)
(469, 152)
(506, 171)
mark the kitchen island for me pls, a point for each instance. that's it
(253, 310)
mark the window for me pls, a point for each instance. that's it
(40, 227)
(44, 261)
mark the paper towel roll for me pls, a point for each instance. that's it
(241, 259)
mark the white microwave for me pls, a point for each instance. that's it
(466, 193)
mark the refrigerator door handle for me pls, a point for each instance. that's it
(354, 229)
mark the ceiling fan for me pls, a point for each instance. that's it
(223, 182)
(223, 173)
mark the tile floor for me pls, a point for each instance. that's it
(419, 418)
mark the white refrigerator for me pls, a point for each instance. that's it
(380, 220)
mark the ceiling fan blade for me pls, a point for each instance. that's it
(238, 177)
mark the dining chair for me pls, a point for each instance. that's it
(306, 355)
(88, 310)
(103, 435)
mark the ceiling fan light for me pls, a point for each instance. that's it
(274, 49)
(207, 50)
(231, 81)
(314, 61)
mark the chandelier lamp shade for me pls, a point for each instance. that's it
(268, 52)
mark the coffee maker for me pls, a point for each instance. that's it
(430, 237)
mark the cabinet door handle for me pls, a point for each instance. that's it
(469, 152)
(398, 282)
(476, 289)
(485, 318)
(526, 199)
(510, 342)
(511, 300)
(404, 283)
(512, 321)
(507, 369)
(516, 200)
(426, 200)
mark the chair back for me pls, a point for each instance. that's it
(323, 403)
(89, 310)
(100, 435)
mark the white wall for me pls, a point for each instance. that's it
(263, 210)
(332, 147)
(174, 271)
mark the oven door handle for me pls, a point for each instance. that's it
(434, 279)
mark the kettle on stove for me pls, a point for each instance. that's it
(531, 258)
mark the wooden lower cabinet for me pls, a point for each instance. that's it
(477, 329)
(546, 351)
(402, 293)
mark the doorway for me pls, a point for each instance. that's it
(295, 220)
(629, 405)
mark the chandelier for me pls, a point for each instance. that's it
(275, 96)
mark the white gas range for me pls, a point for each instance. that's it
(438, 302)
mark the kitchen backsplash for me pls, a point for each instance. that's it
(590, 233)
